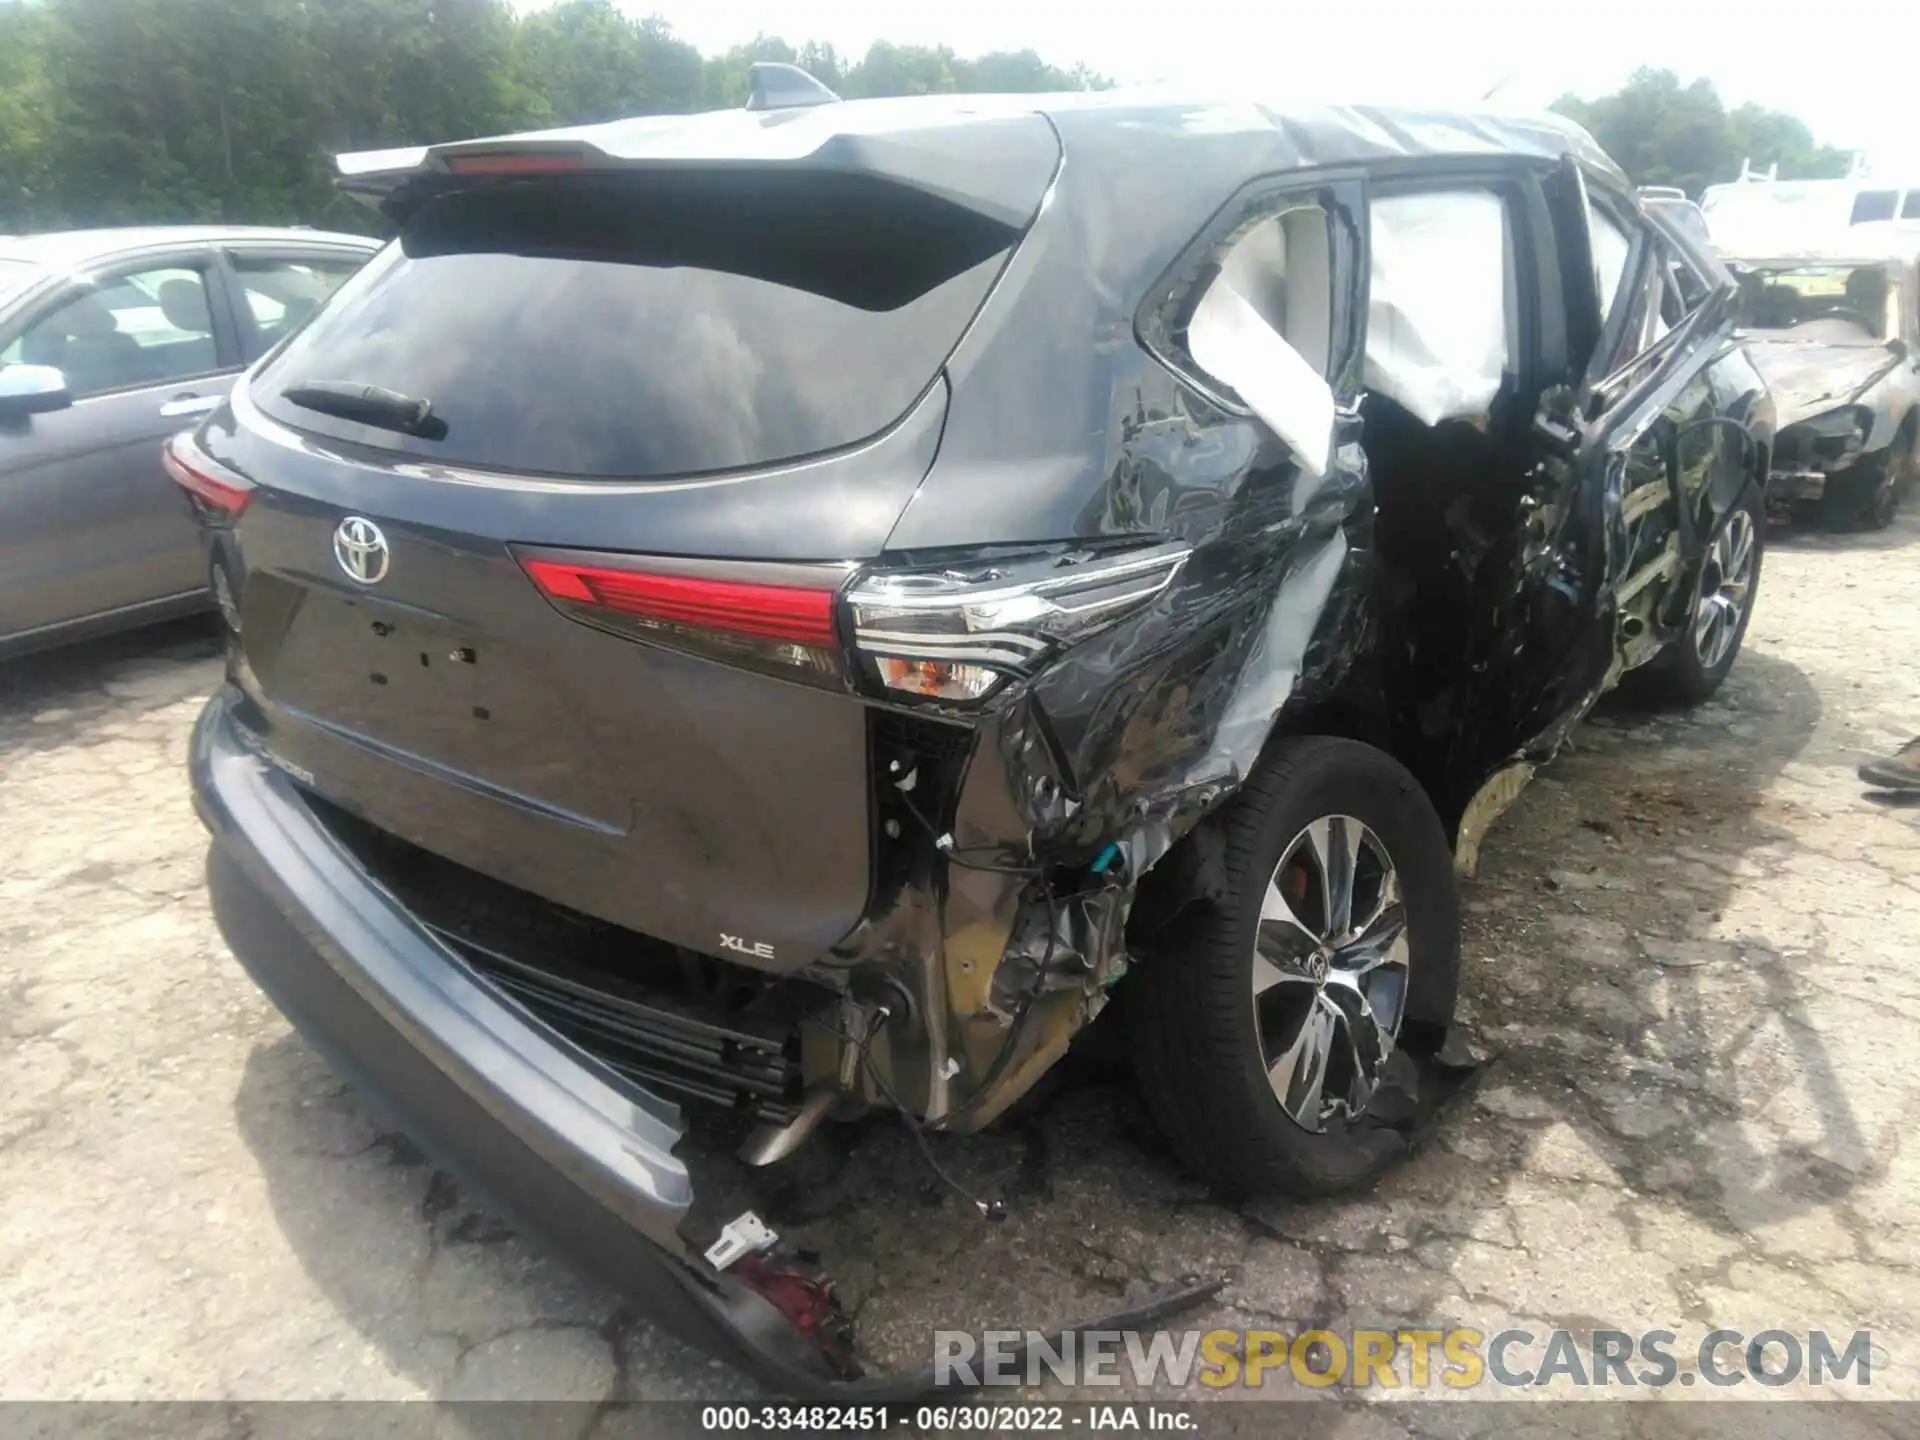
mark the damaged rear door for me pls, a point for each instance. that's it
(1634, 410)
(1671, 410)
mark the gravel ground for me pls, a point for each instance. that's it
(1687, 951)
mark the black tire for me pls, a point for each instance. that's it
(1681, 676)
(1867, 496)
(1191, 1011)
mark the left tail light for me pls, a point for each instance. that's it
(778, 618)
(218, 493)
(956, 633)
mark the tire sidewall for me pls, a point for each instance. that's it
(1388, 801)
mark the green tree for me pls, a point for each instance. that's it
(890, 69)
(587, 62)
(728, 76)
(1664, 133)
(1775, 137)
(23, 103)
(1020, 72)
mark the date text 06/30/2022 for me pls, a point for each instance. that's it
(946, 1418)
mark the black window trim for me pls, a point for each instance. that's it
(1342, 194)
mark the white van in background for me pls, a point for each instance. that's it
(1759, 214)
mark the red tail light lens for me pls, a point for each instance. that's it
(507, 163)
(217, 491)
(788, 629)
(774, 612)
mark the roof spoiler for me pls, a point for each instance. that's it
(774, 86)
(373, 176)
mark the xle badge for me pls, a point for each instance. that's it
(734, 942)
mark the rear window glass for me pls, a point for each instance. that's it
(1871, 205)
(650, 326)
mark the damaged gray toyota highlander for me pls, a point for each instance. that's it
(770, 617)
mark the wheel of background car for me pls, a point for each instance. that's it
(1265, 1035)
(1702, 655)
(1866, 496)
(1903, 464)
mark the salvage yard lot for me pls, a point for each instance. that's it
(1691, 949)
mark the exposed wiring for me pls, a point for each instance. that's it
(991, 1210)
(957, 854)
(1032, 995)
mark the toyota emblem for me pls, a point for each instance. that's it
(361, 550)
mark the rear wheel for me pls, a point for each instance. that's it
(1702, 655)
(1265, 1035)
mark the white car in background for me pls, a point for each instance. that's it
(1836, 333)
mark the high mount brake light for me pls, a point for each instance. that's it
(217, 491)
(956, 633)
(787, 629)
(512, 163)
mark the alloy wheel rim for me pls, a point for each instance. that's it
(1725, 588)
(1330, 966)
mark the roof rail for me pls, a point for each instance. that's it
(1748, 173)
(774, 86)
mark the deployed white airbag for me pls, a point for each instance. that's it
(1232, 342)
(1437, 332)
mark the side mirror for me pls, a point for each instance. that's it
(1899, 349)
(32, 390)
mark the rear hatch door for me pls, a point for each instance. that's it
(704, 377)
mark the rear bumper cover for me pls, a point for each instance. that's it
(567, 1148)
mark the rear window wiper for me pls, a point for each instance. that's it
(368, 404)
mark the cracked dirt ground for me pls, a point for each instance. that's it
(1691, 947)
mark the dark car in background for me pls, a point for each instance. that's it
(111, 340)
(788, 614)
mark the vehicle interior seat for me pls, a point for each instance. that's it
(85, 342)
(1778, 308)
(184, 303)
(1283, 268)
(1867, 297)
(294, 311)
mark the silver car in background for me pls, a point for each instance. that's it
(111, 340)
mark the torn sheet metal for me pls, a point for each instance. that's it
(1437, 338)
